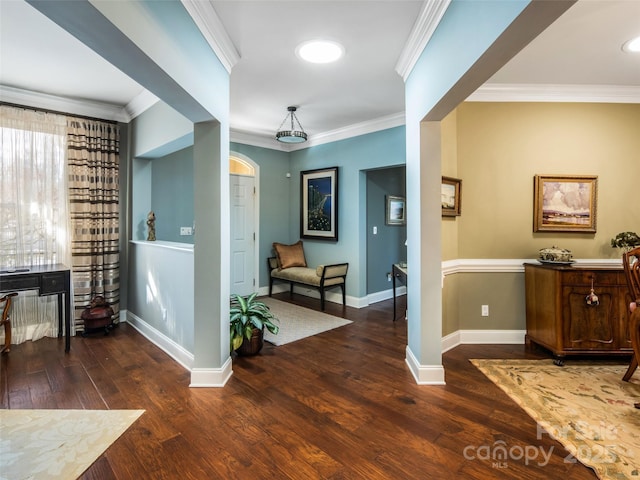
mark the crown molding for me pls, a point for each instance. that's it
(502, 92)
(257, 140)
(140, 103)
(426, 23)
(88, 108)
(211, 27)
(269, 141)
(357, 129)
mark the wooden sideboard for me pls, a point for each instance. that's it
(560, 319)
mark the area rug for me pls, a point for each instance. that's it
(586, 407)
(298, 322)
(60, 444)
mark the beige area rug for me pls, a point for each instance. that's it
(298, 322)
(60, 444)
(586, 407)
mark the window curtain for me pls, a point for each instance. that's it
(93, 163)
(34, 218)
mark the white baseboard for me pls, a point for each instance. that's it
(461, 337)
(386, 295)
(332, 297)
(171, 348)
(424, 374)
(356, 302)
(200, 377)
(211, 377)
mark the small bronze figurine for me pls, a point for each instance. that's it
(151, 223)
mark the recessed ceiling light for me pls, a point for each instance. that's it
(632, 46)
(320, 51)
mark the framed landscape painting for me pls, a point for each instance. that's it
(450, 196)
(396, 210)
(319, 204)
(565, 203)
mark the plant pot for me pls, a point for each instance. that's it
(253, 345)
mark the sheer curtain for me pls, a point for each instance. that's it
(34, 214)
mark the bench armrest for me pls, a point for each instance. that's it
(272, 262)
(332, 271)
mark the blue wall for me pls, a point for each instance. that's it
(172, 195)
(354, 156)
(275, 201)
(172, 201)
(387, 245)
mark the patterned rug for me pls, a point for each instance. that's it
(587, 408)
(60, 444)
(298, 322)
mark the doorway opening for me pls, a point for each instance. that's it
(244, 223)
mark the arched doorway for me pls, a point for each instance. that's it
(244, 220)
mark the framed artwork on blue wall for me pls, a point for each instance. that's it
(396, 210)
(319, 204)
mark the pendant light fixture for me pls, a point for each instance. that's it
(293, 135)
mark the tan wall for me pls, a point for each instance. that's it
(449, 169)
(450, 305)
(503, 292)
(499, 147)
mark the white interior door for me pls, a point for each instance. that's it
(242, 190)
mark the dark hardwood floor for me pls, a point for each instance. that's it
(339, 405)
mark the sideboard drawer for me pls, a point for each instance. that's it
(585, 277)
(52, 283)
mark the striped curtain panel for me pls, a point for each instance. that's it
(93, 161)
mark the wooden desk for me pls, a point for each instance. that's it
(401, 273)
(47, 280)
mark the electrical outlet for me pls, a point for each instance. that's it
(186, 231)
(485, 310)
(388, 277)
(375, 230)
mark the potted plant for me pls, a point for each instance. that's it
(248, 318)
(625, 241)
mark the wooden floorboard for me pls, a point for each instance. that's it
(339, 405)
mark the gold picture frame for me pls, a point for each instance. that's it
(565, 203)
(450, 196)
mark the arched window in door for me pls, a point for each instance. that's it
(238, 166)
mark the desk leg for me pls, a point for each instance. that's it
(393, 279)
(60, 315)
(67, 320)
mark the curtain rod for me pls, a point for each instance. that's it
(57, 112)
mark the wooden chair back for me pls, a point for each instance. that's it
(6, 321)
(631, 264)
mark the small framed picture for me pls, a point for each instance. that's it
(396, 210)
(450, 192)
(319, 204)
(565, 203)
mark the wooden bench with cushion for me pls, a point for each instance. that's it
(289, 265)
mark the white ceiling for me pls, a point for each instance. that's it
(30, 46)
(579, 51)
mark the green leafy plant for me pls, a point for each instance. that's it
(247, 313)
(625, 240)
